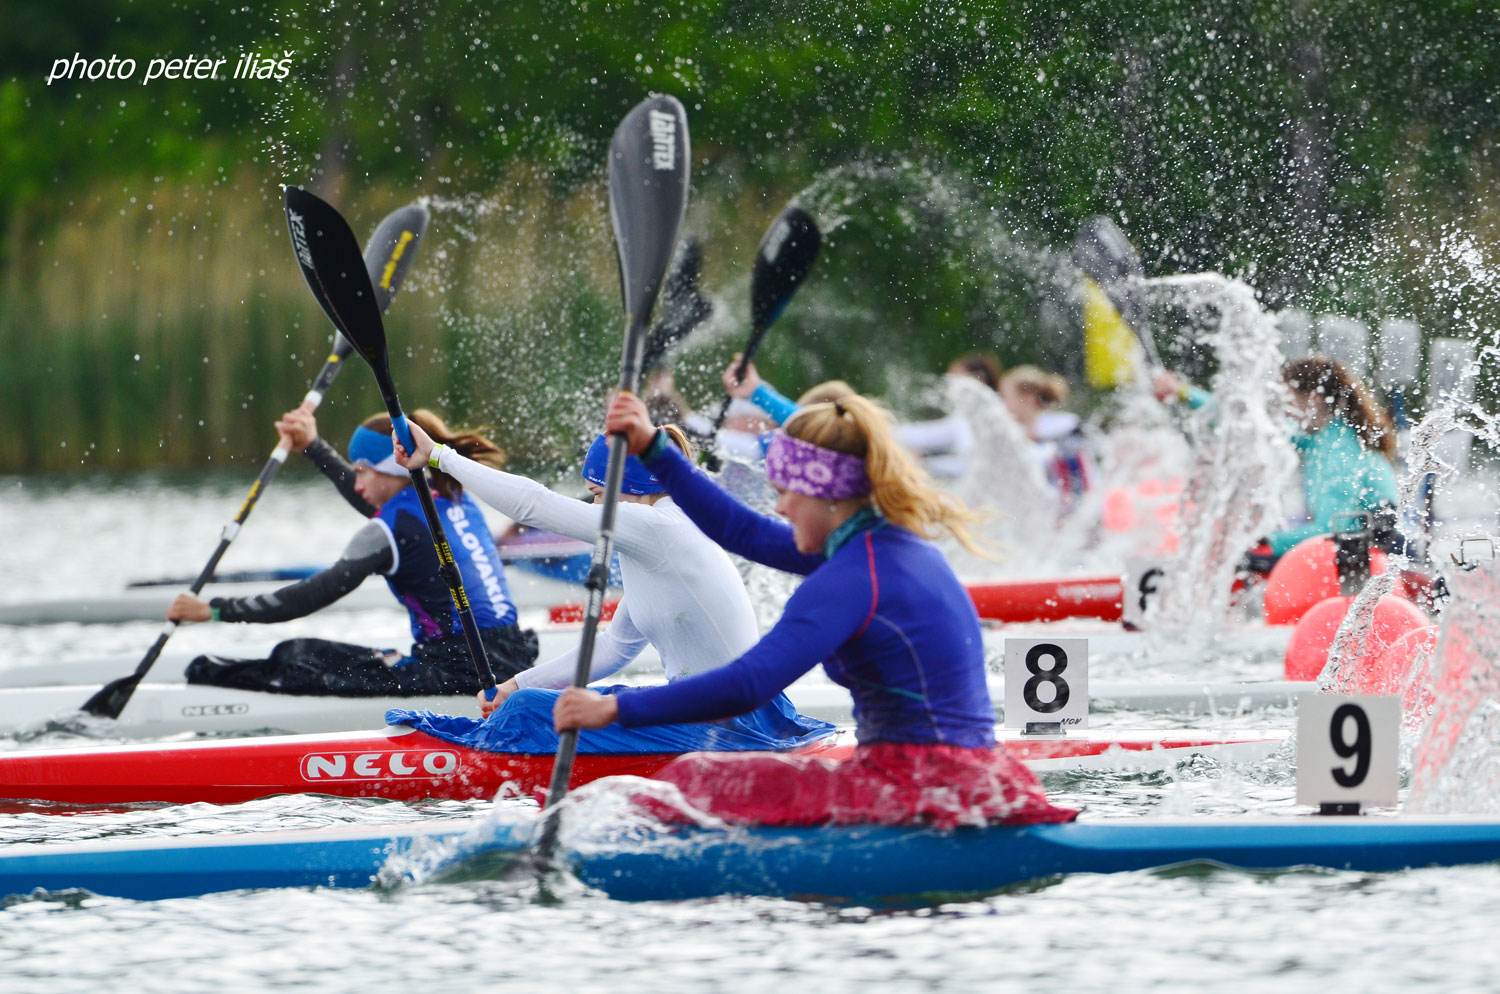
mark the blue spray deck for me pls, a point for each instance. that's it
(866, 865)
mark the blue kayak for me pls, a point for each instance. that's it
(865, 865)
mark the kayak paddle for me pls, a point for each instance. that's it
(683, 307)
(783, 260)
(327, 253)
(1106, 256)
(285, 574)
(388, 257)
(648, 191)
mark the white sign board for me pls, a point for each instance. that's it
(1347, 749)
(1046, 680)
(1142, 589)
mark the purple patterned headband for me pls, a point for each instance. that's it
(814, 471)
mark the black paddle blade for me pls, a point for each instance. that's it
(782, 262)
(335, 272)
(684, 308)
(109, 700)
(648, 190)
(392, 249)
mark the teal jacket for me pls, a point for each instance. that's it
(1339, 476)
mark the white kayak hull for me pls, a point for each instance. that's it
(170, 667)
(161, 709)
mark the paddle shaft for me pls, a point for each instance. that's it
(446, 564)
(752, 345)
(117, 694)
(598, 581)
(648, 192)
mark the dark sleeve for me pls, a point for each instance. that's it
(368, 552)
(333, 466)
(828, 609)
(724, 519)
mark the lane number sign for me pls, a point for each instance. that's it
(1047, 680)
(1347, 749)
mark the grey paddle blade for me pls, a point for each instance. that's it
(392, 249)
(1103, 252)
(648, 190)
(1106, 256)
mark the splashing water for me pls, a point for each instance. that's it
(1242, 456)
(1000, 476)
(1430, 464)
(1351, 643)
(1457, 764)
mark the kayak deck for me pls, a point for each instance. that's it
(868, 865)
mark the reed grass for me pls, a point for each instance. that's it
(167, 325)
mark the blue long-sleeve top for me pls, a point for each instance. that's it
(777, 406)
(1339, 476)
(881, 610)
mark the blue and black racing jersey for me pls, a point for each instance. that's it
(414, 578)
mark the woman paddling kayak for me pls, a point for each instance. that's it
(395, 544)
(681, 594)
(879, 608)
(1345, 444)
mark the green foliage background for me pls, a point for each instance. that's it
(1337, 156)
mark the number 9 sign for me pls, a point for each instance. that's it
(1347, 750)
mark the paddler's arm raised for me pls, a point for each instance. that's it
(717, 514)
(756, 390)
(299, 430)
(527, 502)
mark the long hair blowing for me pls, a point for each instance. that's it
(1347, 396)
(463, 441)
(900, 490)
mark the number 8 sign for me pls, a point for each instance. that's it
(1347, 750)
(1046, 680)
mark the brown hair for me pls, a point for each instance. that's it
(982, 366)
(1049, 388)
(1347, 396)
(900, 490)
(466, 443)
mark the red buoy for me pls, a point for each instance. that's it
(1307, 650)
(1305, 576)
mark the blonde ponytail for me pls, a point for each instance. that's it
(900, 490)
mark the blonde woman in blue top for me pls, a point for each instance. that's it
(879, 609)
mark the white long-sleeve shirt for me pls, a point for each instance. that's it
(682, 593)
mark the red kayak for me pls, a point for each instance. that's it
(1008, 601)
(403, 764)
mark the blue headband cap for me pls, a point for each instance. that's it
(638, 479)
(374, 450)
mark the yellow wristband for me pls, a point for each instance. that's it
(437, 453)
